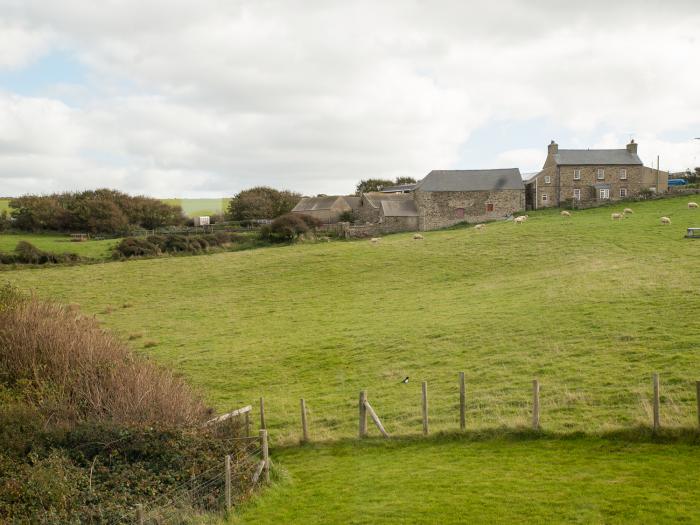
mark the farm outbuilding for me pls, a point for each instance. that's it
(327, 208)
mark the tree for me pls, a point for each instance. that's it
(405, 180)
(369, 185)
(261, 203)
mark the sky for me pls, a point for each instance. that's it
(175, 98)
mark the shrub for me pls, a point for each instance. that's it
(285, 228)
(347, 216)
(27, 253)
(261, 203)
(136, 247)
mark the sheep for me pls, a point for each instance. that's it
(617, 216)
(692, 205)
(520, 220)
(565, 213)
(479, 226)
(417, 237)
(665, 220)
(374, 240)
(627, 210)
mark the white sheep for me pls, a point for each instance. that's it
(374, 240)
(665, 220)
(417, 237)
(692, 205)
(617, 216)
(627, 210)
(565, 213)
(520, 220)
(479, 226)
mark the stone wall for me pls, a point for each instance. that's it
(439, 209)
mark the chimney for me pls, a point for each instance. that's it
(553, 148)
(632, 146)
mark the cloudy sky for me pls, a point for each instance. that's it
(207, 97)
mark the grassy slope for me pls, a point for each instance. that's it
(59, 244)
(588, 305)
(4, 204)
(195, 207)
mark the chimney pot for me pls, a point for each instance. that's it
(632, 146)
(553, 148)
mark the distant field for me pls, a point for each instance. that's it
(59, 244)
(4, 204)
(196, 207)
(589, 306)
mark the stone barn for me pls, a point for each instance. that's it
(327, 208)
(447, 197)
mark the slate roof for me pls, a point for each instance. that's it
(315, 203)
(399, 188)
(596, 157)
(353, 201)
(472, 180)
(394, 208)
(375, 199)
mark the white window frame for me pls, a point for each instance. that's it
(623, 193)
(547, 179)
(623, 173)
(600, 173)
(577, 174)
(544, 197)
(604, 193)
(577, 194)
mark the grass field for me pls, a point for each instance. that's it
(589, 306)
(196, 207)
(4, 205)
(59, 244)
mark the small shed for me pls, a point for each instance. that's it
(203, 220)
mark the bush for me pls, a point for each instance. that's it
(27, 253)
(136, 247)
(158, 244)
(261, 203)
(347, 216)
(285, 228)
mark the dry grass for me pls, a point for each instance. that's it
(75, 371)
(150, 343)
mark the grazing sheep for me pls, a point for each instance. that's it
(479, 226)
(417, 237)
(665, 220)
(374, 240)
(565, 213)
(692, 205)
(617, 216)
(520, 220)
(628, 210)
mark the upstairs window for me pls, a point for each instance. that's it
(547, 179)
(489, 207)
(577, 174)
(623, 174)
(600, 174)
(577, 194)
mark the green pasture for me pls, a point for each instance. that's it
(197, 207)
(589, 306)
(59, 243)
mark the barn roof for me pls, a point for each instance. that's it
(472, 180)
(315, 203)
(375, 199)
(396, 208)
(596, 157)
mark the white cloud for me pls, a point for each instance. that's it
(210, 97)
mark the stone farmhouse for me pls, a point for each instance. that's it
(441, 199)
(587, 177)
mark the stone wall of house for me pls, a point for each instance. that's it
(439, 209)
(562, 184)
(399, 224)
(366, 213)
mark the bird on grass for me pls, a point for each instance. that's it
(405, 380)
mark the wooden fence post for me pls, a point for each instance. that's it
(265, 453)
(262, 413)
(535, 404)
(697, 390)
(363, 413)
(247, 424)
(139, 514)
(304, 426)
(228, 483)
(462, 402)
(424, 389)
(657, 415)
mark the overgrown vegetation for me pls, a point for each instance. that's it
(289, 227)
(27, 253)
(156, 245)
(261, 202)
(88, 429)
(100, 211)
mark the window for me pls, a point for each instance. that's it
(623, 192)
(577, 174)
(623, 174)
(544, 197)
(600, 174)
(577, 194)
(459, 213)
(604, 193)
(547, 179)
(489, 207)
